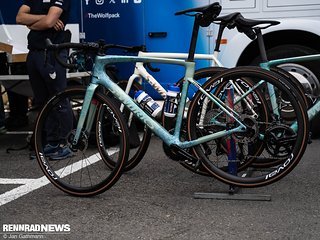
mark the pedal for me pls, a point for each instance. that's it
(185, 154)
(195, 165)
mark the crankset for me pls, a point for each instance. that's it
(174, 153)
(279, 140)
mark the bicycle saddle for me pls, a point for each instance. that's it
(207, 13)
(245, 22)
(249, 26)
(244, 25)
(227, 20)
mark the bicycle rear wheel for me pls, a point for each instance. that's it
(83, 172)
(282, 145)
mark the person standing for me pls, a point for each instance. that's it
(47, 19)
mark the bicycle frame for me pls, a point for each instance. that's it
(99, 77)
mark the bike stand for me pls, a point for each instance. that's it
(232, 196)
(233, 193)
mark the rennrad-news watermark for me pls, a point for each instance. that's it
(33, 231)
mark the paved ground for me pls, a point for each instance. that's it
(155, 201)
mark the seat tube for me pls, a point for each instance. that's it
(190, 68)
(181, 108)
(273, 99)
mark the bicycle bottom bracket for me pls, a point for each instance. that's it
(171, 152)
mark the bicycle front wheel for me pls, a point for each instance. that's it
(268, 138)
(80, 169)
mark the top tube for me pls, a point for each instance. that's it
(210, 57)
(108, 59)
(276, 62)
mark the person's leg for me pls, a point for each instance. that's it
(37, 84)
(3, 71)
(59, 123)
(18, 103)
(35, 66)
(2, 117)
(53, 76)
(18, 110)
(64, 114)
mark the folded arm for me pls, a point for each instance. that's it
(25, 18)
(40, 22)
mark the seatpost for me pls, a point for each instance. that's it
(262, 48)
(194, 38)
(219, 37)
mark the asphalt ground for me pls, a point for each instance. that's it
(156, 201)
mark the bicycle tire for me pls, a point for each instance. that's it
(291, 154)
(84, 173)
(137, 129)
(294, 84)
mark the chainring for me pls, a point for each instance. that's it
(279, 140)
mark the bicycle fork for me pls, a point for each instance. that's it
(88, 109)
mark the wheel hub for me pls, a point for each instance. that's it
(252, 130)
(82, 144)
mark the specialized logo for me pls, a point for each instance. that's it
(59, 3)
(53, 75)
(133, 108)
